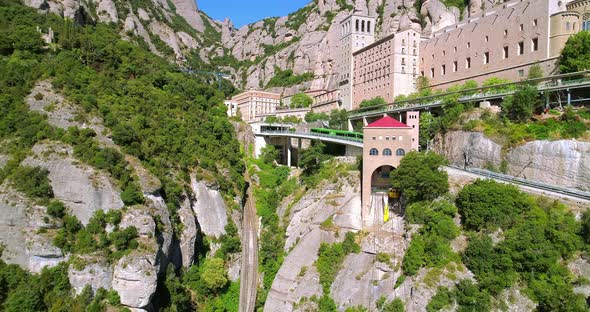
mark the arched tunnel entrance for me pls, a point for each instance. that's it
(380, 181)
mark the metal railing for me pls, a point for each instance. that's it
(498, 90)
(311, 134)
(524, 182)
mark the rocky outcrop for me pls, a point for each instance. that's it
(21, 222)
(564, 163)
(81, 188)
(189, 10)
(209, 208)
(135, 278)
(90, 270)
(188, 237)
(457, 146)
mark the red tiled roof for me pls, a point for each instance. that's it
(387, 122)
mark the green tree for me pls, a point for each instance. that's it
(214, 275)
(535, 72)
(493, 81)
(489, 204)
(269, 154)
(301, 100)
(311, 116)
(33, 181)
(312, 158)
(395, 305)
(373, 102)
(338, 119)
(575, 55)
(56, 209)
(420, 176)
(522, 104)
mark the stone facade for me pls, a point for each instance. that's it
(327, 101)
(253, 104)
(386, 68)
(504, 42)
(356, 33)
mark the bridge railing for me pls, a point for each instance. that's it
(311, 134)
(475, 93)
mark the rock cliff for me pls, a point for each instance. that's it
(564, 163)
(84, 190)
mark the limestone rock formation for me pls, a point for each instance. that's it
(188, 237)
(20, 220)
(564, 163)
(95, 271)
(480, 151)
(135, 279)
(209, 208)
(189, 10)
(81, 188)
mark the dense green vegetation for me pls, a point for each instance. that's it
(420, 177)
(274, 184)
(74, 238)
(329, 263)
(301, 100)
(431, 246)
(49, 291)
(311, 116)
(372, 102)
(538, 238)
(170, 121)
(575, 55)
(286, 78)
(33, 182)
(330, 258)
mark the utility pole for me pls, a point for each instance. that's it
(219, 75)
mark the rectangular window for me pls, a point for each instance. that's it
(468, 62)
(520, 48)
(432, 73)
(521, 27)
(505, 52)
(521, 73)
(486, 57)
(535, 44)
(454, 66)
(535, 22)
(443, 70)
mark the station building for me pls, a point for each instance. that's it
(385, 142)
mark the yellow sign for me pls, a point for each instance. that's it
(386, 212)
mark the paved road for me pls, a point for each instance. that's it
(249, 269)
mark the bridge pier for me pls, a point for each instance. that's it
(288, 152)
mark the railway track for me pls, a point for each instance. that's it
(528, 183)
(249, 265)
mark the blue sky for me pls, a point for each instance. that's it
(243, 12)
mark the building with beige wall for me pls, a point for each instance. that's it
(504, 41)
(326, 101)
(253, 105)
(356, 32)
(385, 143)
(386, 68)
(583, 8)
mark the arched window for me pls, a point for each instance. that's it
(387, 152)
(373, 152)
(363, 26)
(357, 25)
(369, 27)
(586, 21)
(400, 152)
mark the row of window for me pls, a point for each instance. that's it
(387, 152)
(486, 57)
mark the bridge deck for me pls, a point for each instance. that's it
(314, 136)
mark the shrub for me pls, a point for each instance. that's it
(32, 181)
(56, 209)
